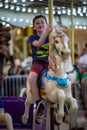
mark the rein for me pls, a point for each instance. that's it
(56, 49)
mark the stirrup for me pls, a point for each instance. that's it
(39, 117)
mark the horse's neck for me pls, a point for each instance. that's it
(68, 64)
(56, 66)
(59, 71)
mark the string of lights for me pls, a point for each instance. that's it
(14, 11)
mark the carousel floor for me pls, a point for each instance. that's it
(80, 120)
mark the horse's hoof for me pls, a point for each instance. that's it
(39, 120)
(23, 120)
(55, 122)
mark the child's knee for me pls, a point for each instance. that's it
(32, 79)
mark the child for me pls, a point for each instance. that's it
(40, 48)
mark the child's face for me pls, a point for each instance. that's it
(40, 25)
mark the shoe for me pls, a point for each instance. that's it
(40, 113)
(40, 110)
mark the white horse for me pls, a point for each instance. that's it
(70, 70)
(57, 85)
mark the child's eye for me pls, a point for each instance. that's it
(37, 23)
(42, 22)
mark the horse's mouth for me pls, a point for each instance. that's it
(64, 55)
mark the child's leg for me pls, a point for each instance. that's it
(33, 85)
(35, 92)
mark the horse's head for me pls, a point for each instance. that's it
(58, 46)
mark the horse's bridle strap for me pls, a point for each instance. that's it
(69, 72)
(56, 49)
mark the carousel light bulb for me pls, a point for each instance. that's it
(6, 6)
(12, 7)
(1, 4)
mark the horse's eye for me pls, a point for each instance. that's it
(62, 53)
(56, 41)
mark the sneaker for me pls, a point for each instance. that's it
(39, 113)
(40, 110)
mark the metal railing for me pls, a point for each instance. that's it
(12, 85)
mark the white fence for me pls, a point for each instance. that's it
(12, 85)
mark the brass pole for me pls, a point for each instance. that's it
(50, 18)
(50, 10)
(72, 32)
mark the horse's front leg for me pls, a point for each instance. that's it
(25, 116)
(72, 110)
(61, 100)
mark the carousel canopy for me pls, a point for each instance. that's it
(21, 12)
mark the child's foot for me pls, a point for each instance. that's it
(39, 113)
(40, 110)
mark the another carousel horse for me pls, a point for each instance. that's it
(56, 83)
(70, 70)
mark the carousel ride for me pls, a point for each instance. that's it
(59, 57)
(56, 83)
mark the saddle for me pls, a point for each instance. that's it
(40, 82)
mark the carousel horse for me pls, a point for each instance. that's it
(56, 83)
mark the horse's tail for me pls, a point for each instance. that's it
(23, 92)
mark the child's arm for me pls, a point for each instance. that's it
(42, 37)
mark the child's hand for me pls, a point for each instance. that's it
(49, 28)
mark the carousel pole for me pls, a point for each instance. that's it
(72, 32)
(72, 39)
(50, 18)
(50, 15)
(50, 9)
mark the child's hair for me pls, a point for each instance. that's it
(39, 16)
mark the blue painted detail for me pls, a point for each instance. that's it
(62, 82)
